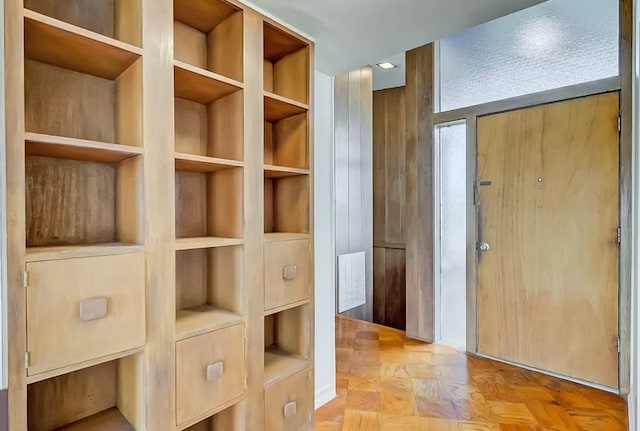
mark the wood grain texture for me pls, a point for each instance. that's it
(93, 15)
(66, 103)
(389, 194)
(225, 44)
(159, 189)
(291, 76)
(62, 400)
(551, 255)
(281, 291)
(13, 207)
(118, 279)
(293, 389)
(70, 202)
(210, 277)
(231, 419)
(209, 204)
(190, 45)
(195, 394)
(353, 150)
(202, 14)
(387, 382)
(201, 86)
(278, 42)
(59, 44)
(254, 226)
(419, 193)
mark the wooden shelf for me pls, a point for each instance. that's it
(277, 107)
(278, 43)
(284, 236)
(279, 364)
(272, 171)
(203, 319)
(202, 86)
(57, 43)
(203, 15)
(195, 163)
(205, 242)
(111, 420)
(38, 254)
(60, 147)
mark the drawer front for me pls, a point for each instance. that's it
(288, 403)
(209, 372)
(83, 309)
(286, 270)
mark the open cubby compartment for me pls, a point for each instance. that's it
(103, 397)
(209, 289)
(212, 130)
(230, 419)
(286, 142)
(208, 35)
(209, 204)
(286, 342)
(117, 19)
(286, 64)
(286, 204)
(66, 103)
(80, 202)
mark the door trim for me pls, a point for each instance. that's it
(622, 83)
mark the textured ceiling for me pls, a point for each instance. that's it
(353, 33)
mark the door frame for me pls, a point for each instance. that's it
(623, 84)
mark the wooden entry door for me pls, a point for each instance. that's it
(548, 194)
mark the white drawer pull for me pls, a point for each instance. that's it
(215, 371)
(290, 409)
(93, 309)
(289, 272)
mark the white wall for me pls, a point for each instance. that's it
(324, 242)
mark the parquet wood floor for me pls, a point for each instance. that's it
(387, 382)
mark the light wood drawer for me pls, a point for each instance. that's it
(210, 372)
(83, 309)
(287, 403)
(286, 271)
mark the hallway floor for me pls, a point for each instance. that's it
(389, 383)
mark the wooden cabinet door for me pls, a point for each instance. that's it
(83, 309)
(548, 283)
(286, 273)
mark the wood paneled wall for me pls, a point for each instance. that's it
(353, 173)
(389, 188)
(419, 193)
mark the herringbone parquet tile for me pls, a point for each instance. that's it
(387, 382)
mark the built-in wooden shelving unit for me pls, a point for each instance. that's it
(159, 210)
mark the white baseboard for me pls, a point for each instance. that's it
(324, 395)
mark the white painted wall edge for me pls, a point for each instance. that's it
(325, 245)
(324, 395)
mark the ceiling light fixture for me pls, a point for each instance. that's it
(386, 65)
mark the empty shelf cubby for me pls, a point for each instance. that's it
(116, 19)
(209, 289)
(286, 64)
(209, 204)
(230, 419)
(208, 35)
(102, 397)
(286, 343)
(68, 103)
(286, 204)
(79, 202)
